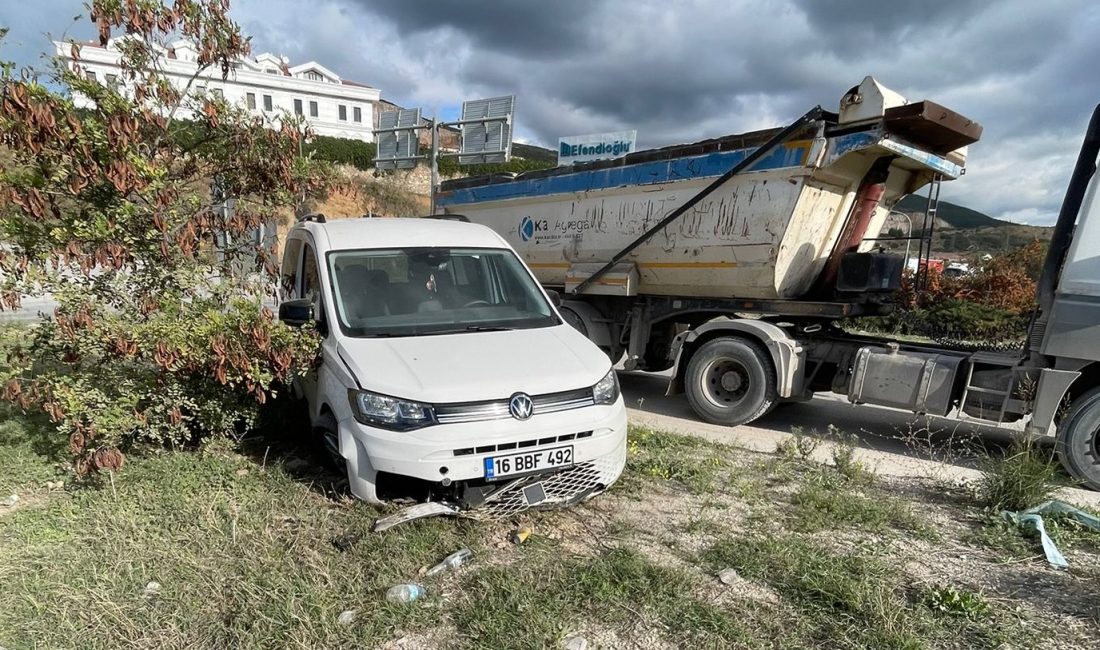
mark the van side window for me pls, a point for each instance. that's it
(288, 273)
(311, 281)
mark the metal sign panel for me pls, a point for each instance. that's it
(488, 141)
(397, 139)
(598, 146)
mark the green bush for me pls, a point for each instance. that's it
(1021, 479)
(159, 334)
(955, 602)
(343, 151)
(962, 319)
(448, 166)
(361, 155)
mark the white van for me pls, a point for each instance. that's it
(447, 374)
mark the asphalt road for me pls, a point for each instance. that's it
(894, 442)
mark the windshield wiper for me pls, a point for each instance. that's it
(467, 328)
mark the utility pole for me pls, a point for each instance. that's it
(435, 158)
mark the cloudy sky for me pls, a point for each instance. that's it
(677, 71)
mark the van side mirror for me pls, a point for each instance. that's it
(555, 297)
(296, 313)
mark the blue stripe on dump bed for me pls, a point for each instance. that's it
(663, 171)
(679, 169)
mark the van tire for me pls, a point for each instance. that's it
(1079, 439)
(360, 474)
(731, 381)
(326, 433)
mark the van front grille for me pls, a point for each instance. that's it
(509, 446)
(498, 409)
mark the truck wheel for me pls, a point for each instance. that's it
(731, 381)
(1079, 439)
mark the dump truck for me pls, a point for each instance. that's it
(731, 261)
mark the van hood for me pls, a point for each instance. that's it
(475, 366)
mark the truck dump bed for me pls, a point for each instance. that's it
(767, 233)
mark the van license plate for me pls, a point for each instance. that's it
(528, 461)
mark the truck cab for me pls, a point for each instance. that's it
(446, 372)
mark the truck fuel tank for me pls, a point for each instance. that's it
(922, 382)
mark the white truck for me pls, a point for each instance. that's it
(729, 261)
(446, 374)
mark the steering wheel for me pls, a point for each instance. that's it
(476, 303)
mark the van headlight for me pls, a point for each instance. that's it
(606, 390)
(389, 412)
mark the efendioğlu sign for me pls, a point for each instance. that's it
(597, 146)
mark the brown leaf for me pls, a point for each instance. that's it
(13, 390)
(108, 458)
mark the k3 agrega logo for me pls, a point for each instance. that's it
(528, 227)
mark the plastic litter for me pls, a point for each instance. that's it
(405, 593)
(728, 576)
(347, 617)
(10, 501)
(1033, 517)
(412, 513)
(151, 589)
(452, 561)
(346, 541)
(521, 534)
(575, 642)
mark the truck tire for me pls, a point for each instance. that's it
(1079, 439)
(731, 381)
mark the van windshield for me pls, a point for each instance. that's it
(423, 291)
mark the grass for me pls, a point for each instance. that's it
(827, 500)
(242, 548)
(1024, 477)
(687, 460)
(851, 599)
(243, 555)
(618, 587)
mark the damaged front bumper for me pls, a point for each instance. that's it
(562, 488)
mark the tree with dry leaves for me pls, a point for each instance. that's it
(119, 211)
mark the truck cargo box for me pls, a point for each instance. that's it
(767, 233)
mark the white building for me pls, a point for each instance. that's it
(267, 84)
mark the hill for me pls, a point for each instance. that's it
(533, 152)
(954, 215)
(960, 229)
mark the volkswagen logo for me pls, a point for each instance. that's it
(520, 406)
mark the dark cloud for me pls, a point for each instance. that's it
(679, 71)
(847, 20)
(523, 26)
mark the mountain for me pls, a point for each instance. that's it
(532, 152)
(960, 229)
(953, 215)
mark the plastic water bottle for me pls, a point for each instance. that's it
(452, 561)
(405, 593)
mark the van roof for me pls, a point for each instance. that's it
(382, 232)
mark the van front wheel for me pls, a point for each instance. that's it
(731, 381)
